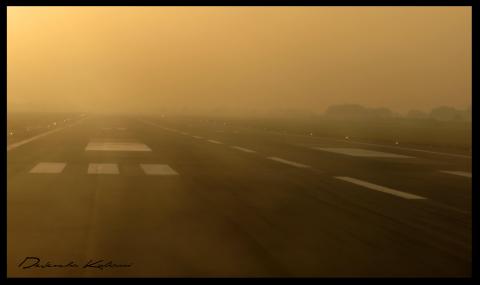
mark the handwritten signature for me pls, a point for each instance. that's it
(35, 262)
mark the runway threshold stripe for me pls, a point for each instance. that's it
(214, 141)
(48, 167)
(380, 188)
(459, 173)
(158, 169)
(291, 163)
(243, 149)
(116, 146)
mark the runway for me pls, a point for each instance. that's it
(175, 198)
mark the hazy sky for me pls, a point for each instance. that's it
(152, 58)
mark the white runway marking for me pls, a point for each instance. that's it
(158, 169)
(243, 149)
(281, 160)
(116, 146)
(198, 137)
(460, 173)
(20, 143)
(361, 152)
(214, 141)
(103, 168)
(380, 188)
(48, 167)
(414, 149)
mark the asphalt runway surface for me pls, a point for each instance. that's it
(126, 196)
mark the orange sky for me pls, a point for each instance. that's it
(152, 58)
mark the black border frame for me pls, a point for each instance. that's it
(360, 3)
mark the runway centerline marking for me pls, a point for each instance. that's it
(197, 137)
(360, 152)
(214, 141)
(48, 167)
(158, 169)
(243, 149)
(103, 168)
(292, 163)
(459, 173)
(380, 188)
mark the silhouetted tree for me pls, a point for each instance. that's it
(466, 115)
(380, 113)
(445, 113)
(346, 110)
(417, 114)
(357, 111)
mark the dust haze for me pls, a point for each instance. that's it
(239, 142)
(237, 60)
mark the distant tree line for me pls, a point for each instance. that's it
(355, 111)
